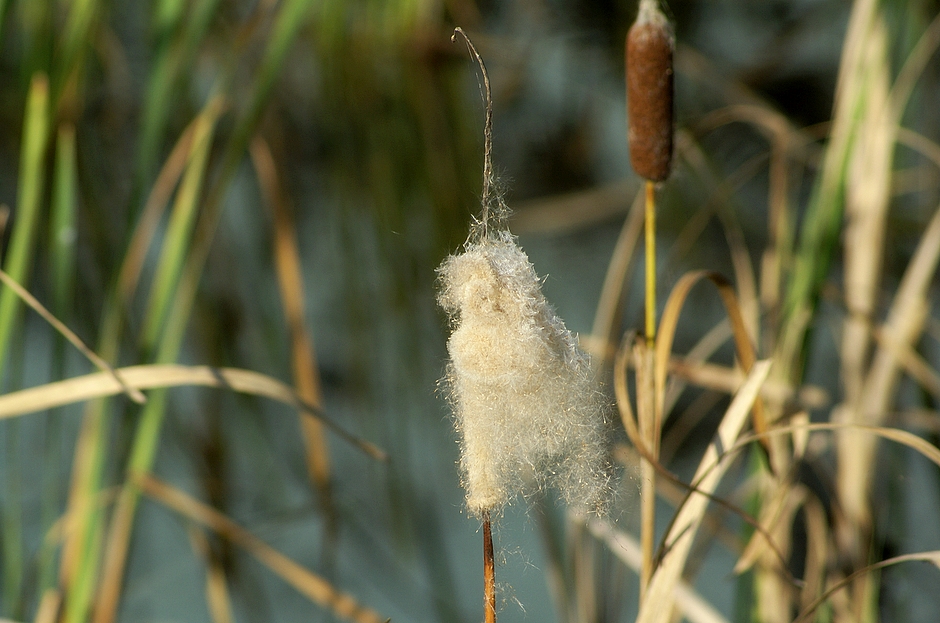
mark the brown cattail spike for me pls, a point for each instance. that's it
(649, 92)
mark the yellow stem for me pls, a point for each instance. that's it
(650, 264)
(646, 398)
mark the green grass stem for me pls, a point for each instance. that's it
(19, 255)
(19, 258)
(173, 55)
(78, 26)
(821, 227)
(179, 230)
(62, 236)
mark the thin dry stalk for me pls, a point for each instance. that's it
(489, 563)
(583, 552)
(572, 211)
(132, 393)
(90, 440)
(786, 142)
(870, 383)
(314, 587)
(902, 329)
(303, 355)
(630, 425)
(773, 591)
(817, 549)
(218, 598)
(727, 380)
(491, 201)
(153, 211)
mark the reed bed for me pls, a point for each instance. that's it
(220, 350)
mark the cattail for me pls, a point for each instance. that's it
(527, 407)
(649, 49)
(525, 399)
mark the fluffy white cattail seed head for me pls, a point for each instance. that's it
(527, 407)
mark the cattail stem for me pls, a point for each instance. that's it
(489, 572)
(649, 73)
(646, 400)
(650, 265)
(646, 393)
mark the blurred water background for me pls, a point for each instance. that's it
(375, 121)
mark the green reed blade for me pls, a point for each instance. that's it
(182, 219)
(62, 245)
(173, 55)
(77, 28)
(19, 257)
(26, 217)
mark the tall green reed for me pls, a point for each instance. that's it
(19, 258)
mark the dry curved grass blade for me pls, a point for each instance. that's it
(918, 444)
(656, 606)
(313, 586)
(670, 321)
(912, 441)
(97, 385)
(931, 557)
(132, 393)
